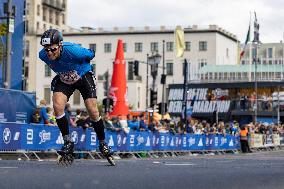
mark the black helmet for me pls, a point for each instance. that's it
(51, 36)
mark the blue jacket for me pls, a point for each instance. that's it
(73, 58)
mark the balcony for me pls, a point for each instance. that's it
(54, 5)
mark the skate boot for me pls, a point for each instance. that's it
(66, 154)
(105, 150)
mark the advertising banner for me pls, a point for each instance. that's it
(41, 137)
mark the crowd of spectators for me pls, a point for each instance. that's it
(44, 115)
(245, 102)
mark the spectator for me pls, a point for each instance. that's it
(50, 115)
(83, 120)
(44, 119)
(132, 123)
(142, 124)
(108, 124)
(67, 111)
(36, 116)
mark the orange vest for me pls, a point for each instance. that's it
(243, 134)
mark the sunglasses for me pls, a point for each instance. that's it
(51, 49)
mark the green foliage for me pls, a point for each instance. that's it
(3, 29)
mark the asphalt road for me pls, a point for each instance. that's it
(263, 170)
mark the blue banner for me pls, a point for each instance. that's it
(41, 137)
(16, 106)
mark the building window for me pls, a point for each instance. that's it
(130, 71)
(107, 47)
(138, 47)
(202, 46)
(63, 19)
(50, 16)
(202, 63)
(154, 47)
(93, 46)
(46, 95)
(27, 26)
(44, 12)
(187, 45)
(227, 52)
(170, 69)
(38, 10)
(47, 71)
(27, 48)
(270, 50)
(27, 9)
(26, 70)
(125, 47)
(170, 46)
(57, 19)
(37, 25)
(76, 97)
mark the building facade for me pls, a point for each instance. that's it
(40, 16)
(204, 46)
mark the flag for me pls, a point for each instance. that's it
(247, 40)
(180, 44)
(256, 29)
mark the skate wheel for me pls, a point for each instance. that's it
(111, 160)
(65, 160)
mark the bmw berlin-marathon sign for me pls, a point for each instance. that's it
(199, 100)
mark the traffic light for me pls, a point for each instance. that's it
(153, 98)
(160, 108)
(163, 78)
(136, 67)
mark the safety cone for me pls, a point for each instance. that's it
(118, 84)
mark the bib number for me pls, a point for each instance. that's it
(70, 77)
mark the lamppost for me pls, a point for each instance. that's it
(163, 80)
(147, 82)
(153, 60)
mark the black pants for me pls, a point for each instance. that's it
(245, 146)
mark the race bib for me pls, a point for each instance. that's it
(70, 77)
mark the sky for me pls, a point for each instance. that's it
(232, 15)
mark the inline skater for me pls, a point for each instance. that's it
(71, 63)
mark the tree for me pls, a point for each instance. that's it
(3, 31)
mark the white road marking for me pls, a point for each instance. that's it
(9, 167)
(174, 164)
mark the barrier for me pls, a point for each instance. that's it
(36, 137)
(16, 106)
(265, 140)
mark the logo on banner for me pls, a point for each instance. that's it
(191, 141)
(74, 136)
(223, 141)
(140, 140)
(162, 140)
(148, 142)
(44, 136)
(200, 143)
(59, 139)
(231, 143)
(17, 136)
(184, 141)
(216, 141)
(132, 140)
(119, 140)
(7, 135)
(110, 141)
(93, 139)
(30, 136)
(83, 138)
